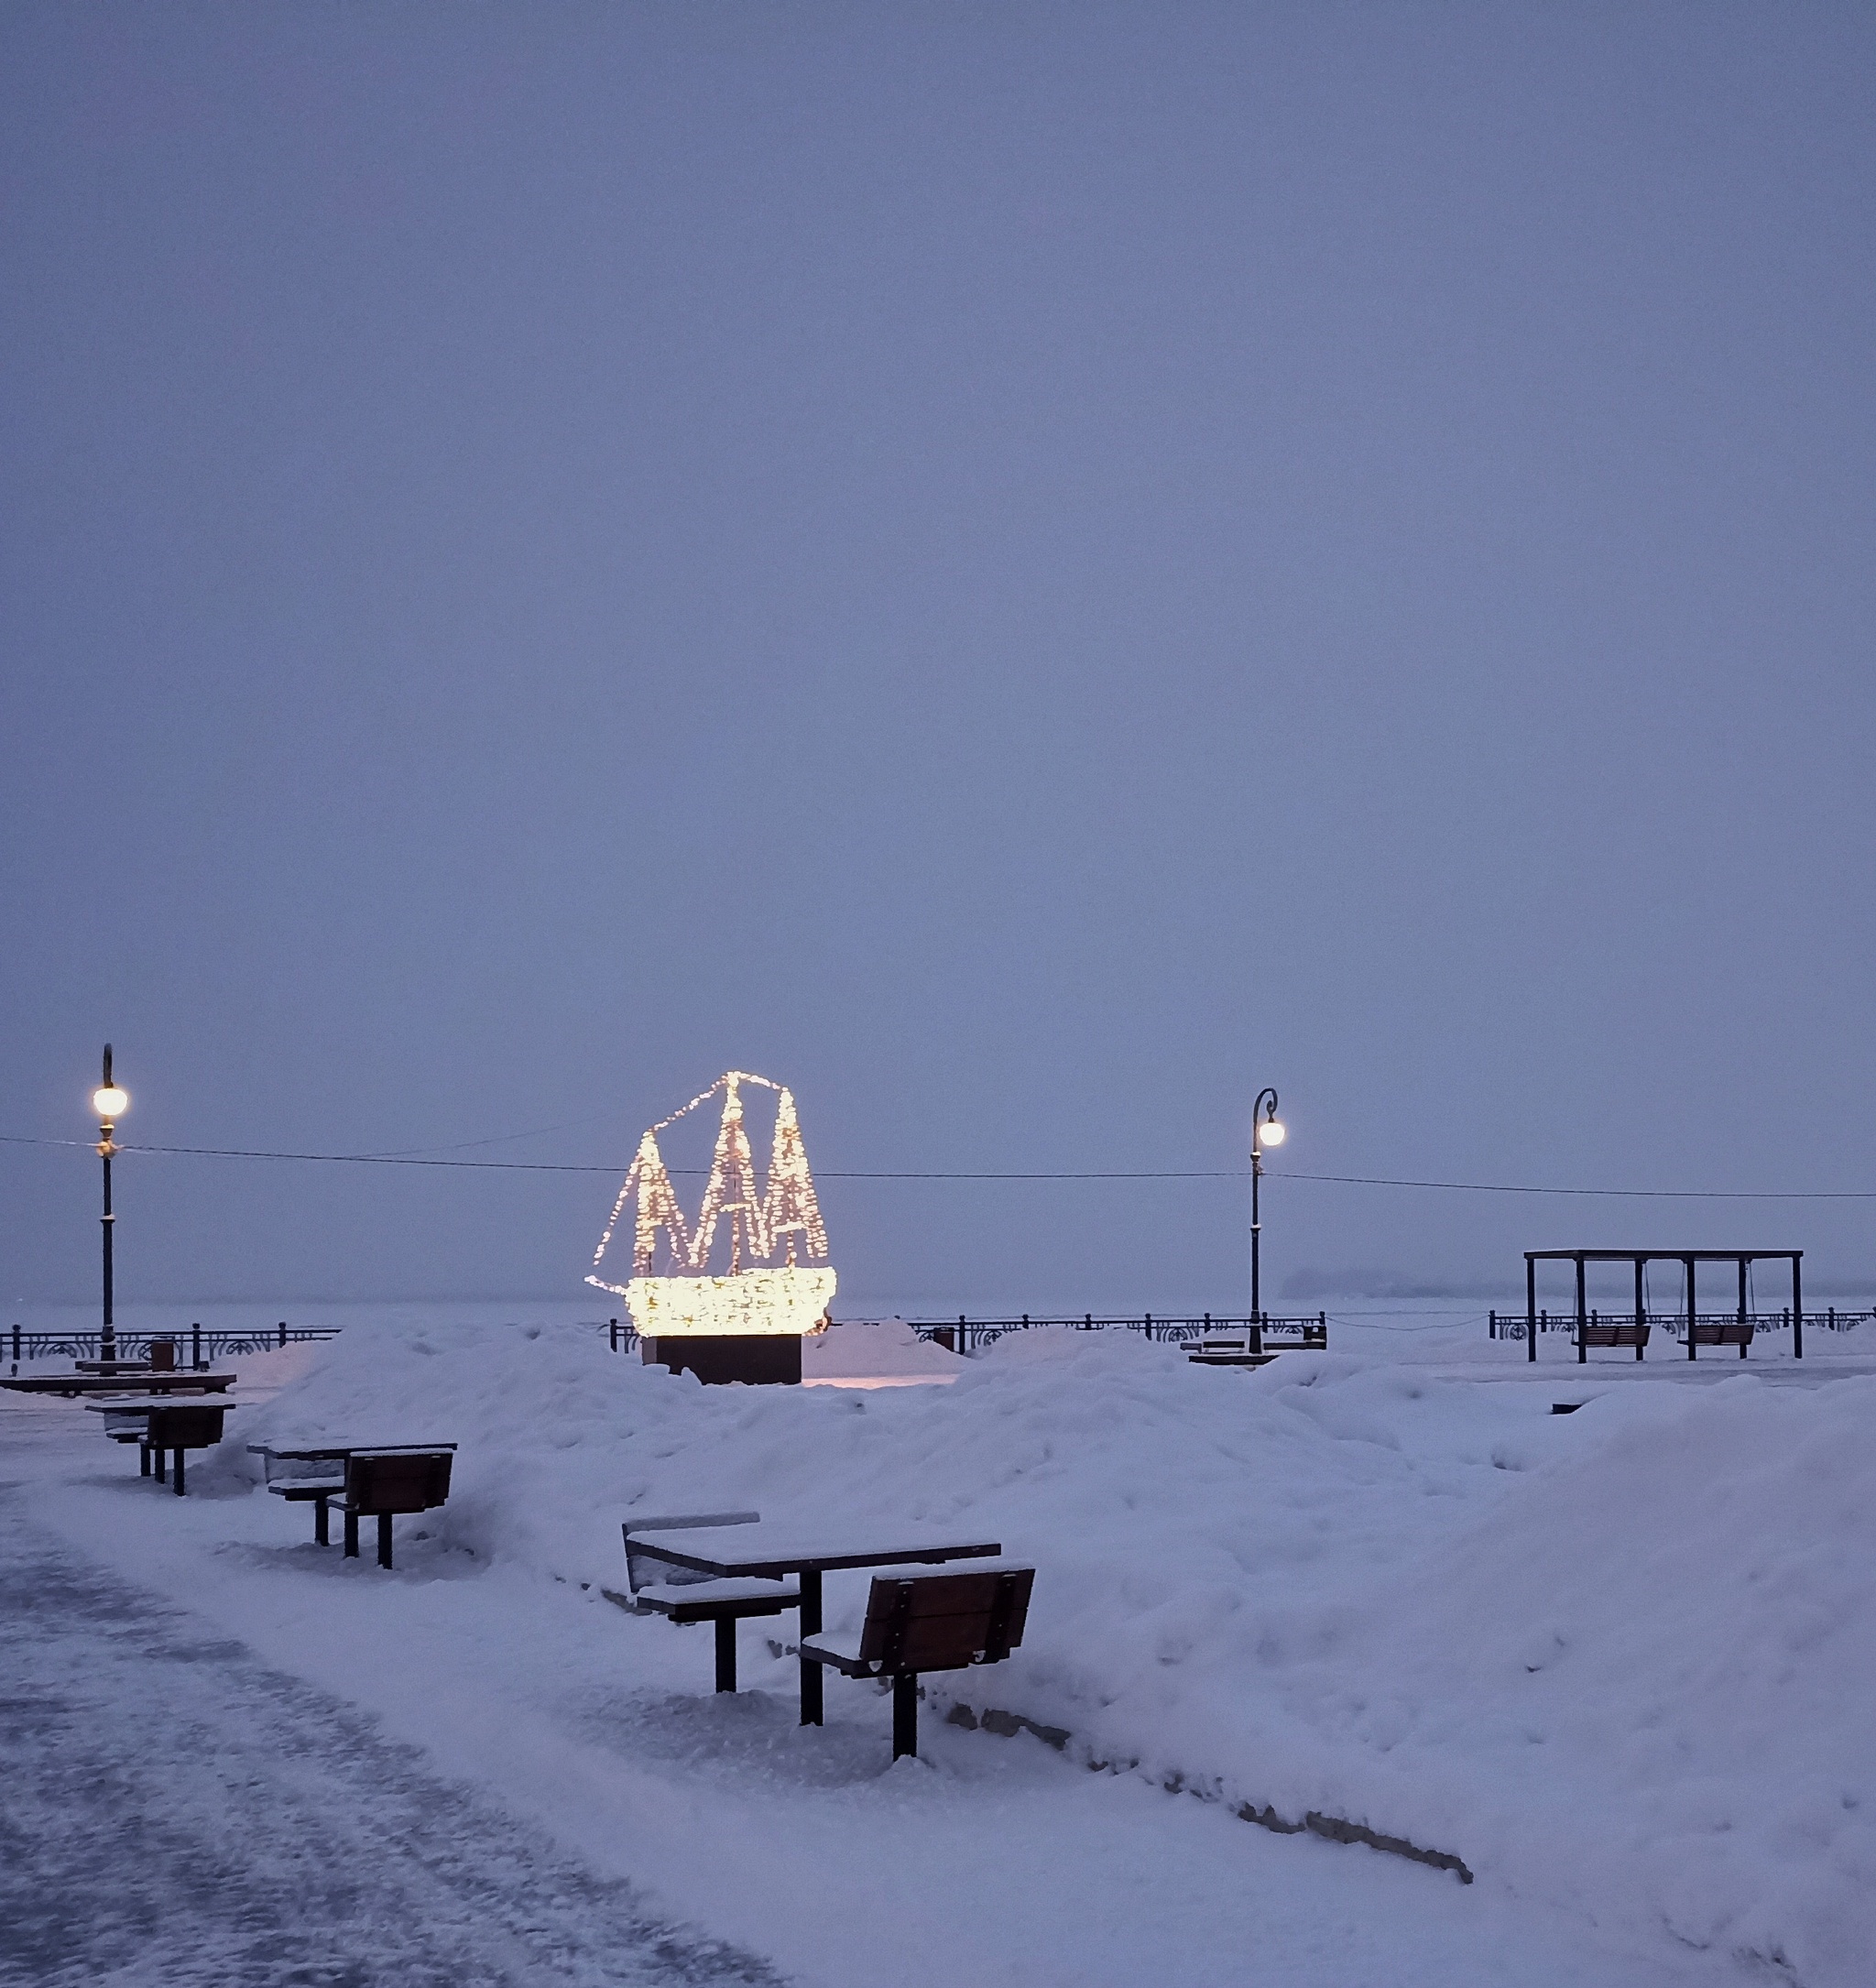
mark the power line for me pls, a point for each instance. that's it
(1342, 1180)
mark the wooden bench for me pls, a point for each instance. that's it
(381, 1483)
(1612, 1336)
(684, 1595)
(1229, 1349)
(1724, 1332)
(918, 1620)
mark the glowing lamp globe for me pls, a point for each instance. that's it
(109, 1102)
(1271, 1133)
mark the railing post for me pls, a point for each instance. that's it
(283, 1333)
(15, 1342)
(1150, 1329)
(195, 1346)
(613, 1328)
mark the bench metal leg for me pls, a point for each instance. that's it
(810, 1626)
(142, 1459)
(321, 1534)
(725, 1652)
(179, 1455)
(384, 1539)
(351, 1536)
(905, 1715)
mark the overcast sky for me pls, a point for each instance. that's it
(1023, 570)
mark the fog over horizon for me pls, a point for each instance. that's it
(1023, 572)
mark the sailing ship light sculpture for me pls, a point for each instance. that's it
(759, 1296)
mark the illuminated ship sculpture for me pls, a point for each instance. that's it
(747, 1324)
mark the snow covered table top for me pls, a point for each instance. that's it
(776, 1549)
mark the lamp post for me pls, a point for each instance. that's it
(1266, 1129)
(110, 1104)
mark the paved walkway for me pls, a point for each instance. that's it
(174, 1812)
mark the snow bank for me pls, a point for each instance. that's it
(1619, 1659)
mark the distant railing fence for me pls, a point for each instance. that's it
(202, 1345)
(968, 1336)
(1673, 1325)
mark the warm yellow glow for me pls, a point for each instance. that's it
(788, 1299)
(109, 1102)
(1271, 1133)
(779, 1217)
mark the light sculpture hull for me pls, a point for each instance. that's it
(747, 1324)
(789, 1300)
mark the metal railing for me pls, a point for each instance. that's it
(968, 1336)
(202, 1345)
(962, 1335)
(1673, 1325)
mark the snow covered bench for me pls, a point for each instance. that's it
(379, 1483)
(684, 1595)
(1229, 1349)
(918, 1620)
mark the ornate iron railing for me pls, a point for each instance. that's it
(195, 1345)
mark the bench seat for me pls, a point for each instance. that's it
(706, 1600)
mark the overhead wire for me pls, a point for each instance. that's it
(409, 1158)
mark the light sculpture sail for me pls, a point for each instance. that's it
(754, 1295)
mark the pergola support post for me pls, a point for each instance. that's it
(1530, 1306)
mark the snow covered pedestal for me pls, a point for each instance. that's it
(760, 1359)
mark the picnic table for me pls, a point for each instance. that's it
(73, 1385)
(301, 1472)
(770, 1552)
(160, 1426)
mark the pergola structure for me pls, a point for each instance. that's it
(1640, 1259)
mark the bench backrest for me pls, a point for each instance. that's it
(1615, 1335)
(945, 1622)
(397, 1481)
(1725, 1332)
(191, 1425)
(643, 1571)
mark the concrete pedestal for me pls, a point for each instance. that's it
(767, 1359)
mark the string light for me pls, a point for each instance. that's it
(756, 1296)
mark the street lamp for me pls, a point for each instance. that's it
(1266, 1129)
(110, 1104)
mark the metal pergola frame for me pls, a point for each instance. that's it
(1640, 1259)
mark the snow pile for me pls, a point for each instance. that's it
(1619, 1659)
(885, 1353)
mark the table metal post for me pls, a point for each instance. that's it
(810, 1626)
(905, 1714)
(726, 1653)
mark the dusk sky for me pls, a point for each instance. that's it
(1022, 570)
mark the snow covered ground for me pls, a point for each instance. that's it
(1616, 1661)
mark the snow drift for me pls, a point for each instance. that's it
(1618, 1659)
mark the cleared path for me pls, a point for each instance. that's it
(175, 1811)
